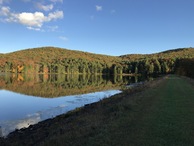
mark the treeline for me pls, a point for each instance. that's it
(63, 66)
(81, 66)
(56, 85)
(61, 61)
(149, 66)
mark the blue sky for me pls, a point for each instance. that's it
(111, 27)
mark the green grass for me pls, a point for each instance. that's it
(160, 115)
(169, 118)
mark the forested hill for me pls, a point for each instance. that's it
(169, 54)
(58, 60)
(52, 53)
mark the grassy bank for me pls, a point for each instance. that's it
(157, 113)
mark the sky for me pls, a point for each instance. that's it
(111, 27)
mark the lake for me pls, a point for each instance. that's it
(28, 99)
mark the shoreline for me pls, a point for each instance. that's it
(152, 113)
(46, 125)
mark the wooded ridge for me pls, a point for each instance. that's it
(63, 61)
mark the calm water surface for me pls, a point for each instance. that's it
(28, 100)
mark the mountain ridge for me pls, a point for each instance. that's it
(58, 50)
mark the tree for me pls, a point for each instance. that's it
(157, 67)
(164, 68)
(151, 69)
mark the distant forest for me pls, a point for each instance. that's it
(50, 60)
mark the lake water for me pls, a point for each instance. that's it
(27, 100)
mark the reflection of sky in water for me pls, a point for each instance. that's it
(18, 111)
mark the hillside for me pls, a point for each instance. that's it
(1, 55)
(59, 60)
(175, 53)
(51, 53)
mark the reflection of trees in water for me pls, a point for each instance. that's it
(55, 85)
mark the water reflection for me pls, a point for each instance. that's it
(21, 96)
(46, 108)
(56, 85)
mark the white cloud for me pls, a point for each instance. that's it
(5, 11)
(11, 18)
(38, 18)
(54, 15)
(63, 38)
(31, 20)
(98, 8)
(34, 28)
(45, 7)
(52, 28)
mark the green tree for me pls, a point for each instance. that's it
(151, 69)
(157, 67)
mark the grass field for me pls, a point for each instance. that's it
(160, 113)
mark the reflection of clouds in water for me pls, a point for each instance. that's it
(70, 103)
(27, 122)
(31, 119)
(9, 126)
